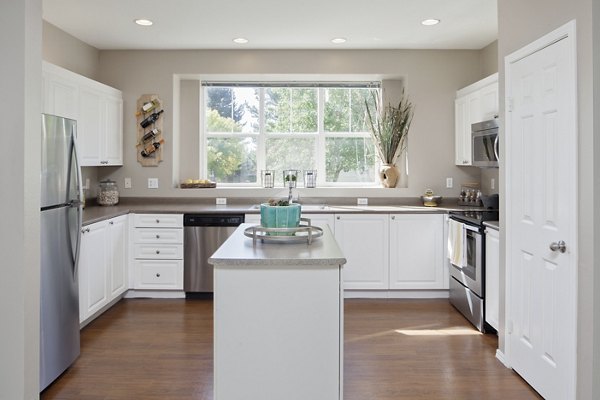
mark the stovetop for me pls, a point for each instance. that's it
(476, 218)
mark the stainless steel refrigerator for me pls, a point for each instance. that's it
(61, 215)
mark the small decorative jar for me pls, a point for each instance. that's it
(268, 178)
(108, 193)
(290, 178)
(310, 178)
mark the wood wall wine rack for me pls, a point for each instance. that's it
(155, 158)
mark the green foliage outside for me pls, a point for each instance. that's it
(292, 110)
(229, 159)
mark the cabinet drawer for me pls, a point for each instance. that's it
(158, 251)
(158, 220)
(158, 235)
(159, 274)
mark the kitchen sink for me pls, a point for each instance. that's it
(305, 207)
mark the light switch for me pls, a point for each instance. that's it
(152, 183)
(127, 183)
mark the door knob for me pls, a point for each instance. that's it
(558, 246)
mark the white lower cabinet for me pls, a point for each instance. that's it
(389, 252)
(364, 241)
(158, 251)
(102, 265)
(492, 277)
(417, 252)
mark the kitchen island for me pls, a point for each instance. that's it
(278, 319)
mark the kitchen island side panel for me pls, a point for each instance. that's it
(278, 332)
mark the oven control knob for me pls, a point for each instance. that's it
(558, 246)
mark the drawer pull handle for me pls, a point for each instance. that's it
(158, 236)
(157, 275)
(157, 251)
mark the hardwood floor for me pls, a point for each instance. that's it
(150, 349)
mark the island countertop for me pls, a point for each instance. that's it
(239, 250)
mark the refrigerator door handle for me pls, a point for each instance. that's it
(76, 203)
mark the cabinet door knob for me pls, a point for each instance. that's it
(111, 223)
(157, 275)
(338, 217)
(393, 217)
(158, 221)
(157, 251)
(158, 236)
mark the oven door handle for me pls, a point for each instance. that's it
(471, 228)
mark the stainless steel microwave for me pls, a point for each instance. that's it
(484, 136)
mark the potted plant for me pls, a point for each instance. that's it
(280, 214)
(389, 127)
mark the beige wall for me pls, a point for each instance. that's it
(489, 59)
(20, 83)
(516, 29)
(432, 78)
(67, 51)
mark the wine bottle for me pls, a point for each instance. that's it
(147, 107)
(151, 119)
(150, 134)
(151, 148)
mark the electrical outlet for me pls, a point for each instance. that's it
(362, 201)
(221, 201)
(449, 183)
(492, 183)
(127, 183)
(152, 183)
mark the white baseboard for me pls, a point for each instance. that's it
(155, 294)
(395, 294)
(502, 358)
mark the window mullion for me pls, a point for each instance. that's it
(320, 142)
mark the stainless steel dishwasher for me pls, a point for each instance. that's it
(202, 236)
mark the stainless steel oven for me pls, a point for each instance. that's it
(467, 281)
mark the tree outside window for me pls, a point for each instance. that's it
(247, 129)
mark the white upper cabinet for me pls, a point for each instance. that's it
(97, 108)
(474, 103)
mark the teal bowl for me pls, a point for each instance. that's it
(280, 217)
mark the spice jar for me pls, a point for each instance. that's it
(108, 193)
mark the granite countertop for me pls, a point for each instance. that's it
(239, 250)
(492, 224)
(156, 205)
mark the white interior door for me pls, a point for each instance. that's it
(541, 165)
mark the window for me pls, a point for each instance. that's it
(252, 127)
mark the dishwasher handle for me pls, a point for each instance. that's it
(213, 219)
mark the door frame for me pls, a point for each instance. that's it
(566, 32)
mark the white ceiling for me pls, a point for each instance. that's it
(277, 24)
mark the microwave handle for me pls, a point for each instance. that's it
(496, 148)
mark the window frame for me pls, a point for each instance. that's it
(320, 136)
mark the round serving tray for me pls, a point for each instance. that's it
(300, 234)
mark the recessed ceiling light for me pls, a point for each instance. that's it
(430, 22)
(240, 40)
(143, 22)
(338, 40)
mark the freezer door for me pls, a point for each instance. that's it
(59, 298)
(57, 158)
